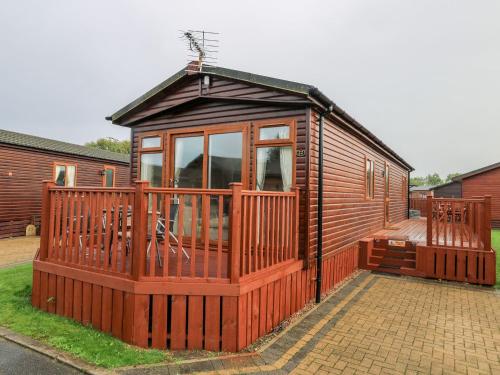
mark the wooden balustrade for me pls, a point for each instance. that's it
(269, 229)
(155, 234)
(461, 223)
(88, 228)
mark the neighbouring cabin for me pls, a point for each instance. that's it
(26, 161)
(452, 189)
(483, 181)
(216, 241)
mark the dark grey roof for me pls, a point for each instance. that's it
(443, 184)
(477, 171)
(31, 141)
(308, 91)
(422, 188)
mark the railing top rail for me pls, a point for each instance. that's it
(458, 199)
(267, 193)
(93, 189)
(188, 191)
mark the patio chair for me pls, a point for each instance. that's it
(161, 230)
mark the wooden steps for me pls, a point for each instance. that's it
(396, 256)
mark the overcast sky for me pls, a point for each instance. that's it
(424, 76)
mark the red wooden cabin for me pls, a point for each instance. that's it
(26, 161)
(220, 237)
(483, 181)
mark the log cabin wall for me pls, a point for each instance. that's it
(348, 215)
(22, 171)
(486, 183)
(219, 112)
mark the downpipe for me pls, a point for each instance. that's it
(319, 249)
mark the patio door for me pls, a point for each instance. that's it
(210, 159)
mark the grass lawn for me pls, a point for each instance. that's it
(92, 346)
(495, 243)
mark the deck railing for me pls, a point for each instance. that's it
(159, 234)
(461, 223)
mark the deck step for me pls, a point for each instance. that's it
(394, 253)
(388, 261)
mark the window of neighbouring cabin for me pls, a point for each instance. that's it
(65, 174)
(151, 142)
(108, 177)
(370, 178)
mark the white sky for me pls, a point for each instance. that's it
(424, 76)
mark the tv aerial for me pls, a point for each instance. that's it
(203, 48)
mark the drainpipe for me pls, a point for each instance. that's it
(319, 249)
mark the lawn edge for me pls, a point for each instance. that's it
(48, 351)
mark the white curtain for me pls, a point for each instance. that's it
(70, 175)
(261, 167)
(286, 167)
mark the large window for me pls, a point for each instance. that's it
(108, 176)
(151, 159)
(65, 174)
(151, 168)
(370, 178)
(404, 188)
(274, 161)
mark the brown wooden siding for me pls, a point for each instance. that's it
(192, 88)
(487, 183)
(20, 194)
(348, 215)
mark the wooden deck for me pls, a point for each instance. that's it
(414, 230)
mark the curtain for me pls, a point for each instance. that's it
(261, 167)
(70, 175)
(286, 167)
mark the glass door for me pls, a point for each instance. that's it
(209, 160)
(187, 155)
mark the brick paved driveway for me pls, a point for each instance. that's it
(18, 250)
(381, 325)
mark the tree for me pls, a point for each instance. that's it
(111, 144)
(417, 181)
(451, 175)
(433, 179)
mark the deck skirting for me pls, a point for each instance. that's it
(214, 316)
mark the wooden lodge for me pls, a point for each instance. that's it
(252, 196)
(26, 161)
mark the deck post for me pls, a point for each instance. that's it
(487, 222)
(140, 222)
(45, 219)
(234, 262)
(429, 220)
(296, 223)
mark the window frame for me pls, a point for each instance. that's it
(387, 180)
(109, 167)
(66, 165)
(153, 134)
(369, 191)
(291, 141)
(206, 131)
(404, 188)
(150, 150)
